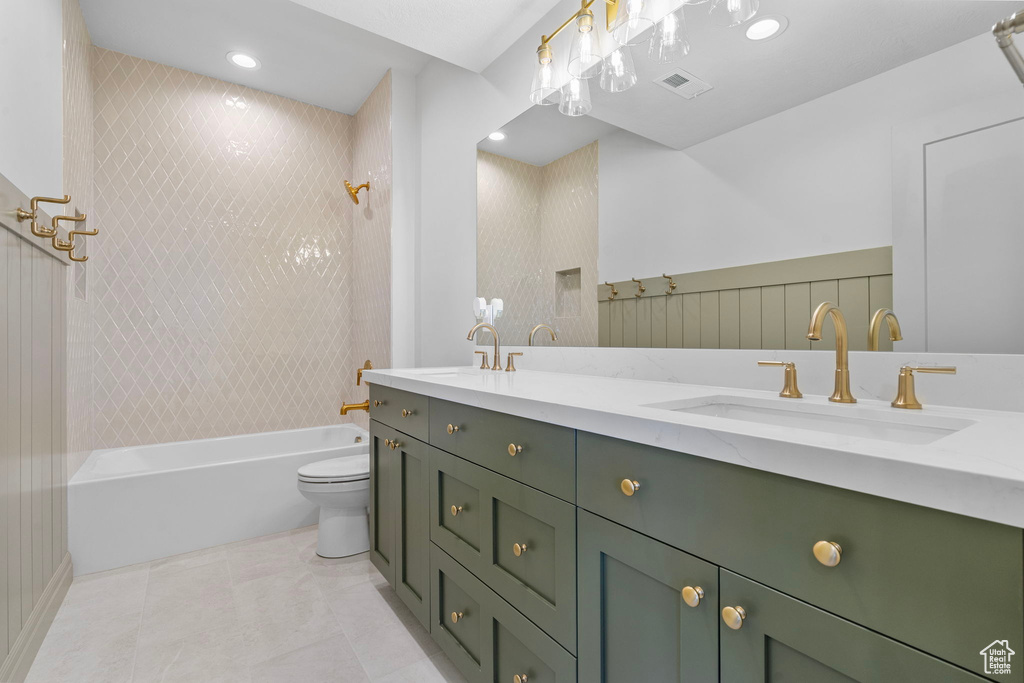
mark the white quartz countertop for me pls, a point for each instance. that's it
(977, 470)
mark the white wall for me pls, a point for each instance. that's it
(812, 180)
(31, 127)
(405, 159)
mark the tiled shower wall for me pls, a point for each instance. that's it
(78, 182)
(224, 273)
(371, 245)
(534, 223)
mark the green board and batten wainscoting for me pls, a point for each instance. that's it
(519, 547)
(760, 306)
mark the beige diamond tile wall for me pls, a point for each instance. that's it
(533, 222)
(223, 274)
(78, 182)
(371, 247)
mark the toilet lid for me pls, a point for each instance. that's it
(348, 468)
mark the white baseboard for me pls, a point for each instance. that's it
(15, 667)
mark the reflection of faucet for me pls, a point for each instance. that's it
(497, 343)
(895, 334)
(841, 394)
(542, 326)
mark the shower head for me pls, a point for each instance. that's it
(353, 192)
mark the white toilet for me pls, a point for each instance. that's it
(341, 487)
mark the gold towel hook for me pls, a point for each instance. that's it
(640, 289)
(68, 244)
(33, 215)
(615, 292)
(671, 284)
(71, 236)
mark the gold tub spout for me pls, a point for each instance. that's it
(347, 408)
(895, 333)
(841, 394)
(497, 343)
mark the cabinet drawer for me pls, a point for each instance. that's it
(535, 453)
(486, 638)
(783, 639)
(934, 580)
(517, 540)
(405, 411)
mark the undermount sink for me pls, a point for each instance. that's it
(843, 420)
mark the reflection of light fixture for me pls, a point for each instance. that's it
(543, 90)
(631, 23)
(767, 28)
(669, 44)
(243, 60)
(585, 51)
(497, 136)
(733, 12)
(575, 98)
(618, 72)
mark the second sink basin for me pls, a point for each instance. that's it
(865, 423)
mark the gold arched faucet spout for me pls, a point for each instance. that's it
(497, 342)
(841, 394)
(542, 326)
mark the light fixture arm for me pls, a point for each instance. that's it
(1004, 31)
(585, 5)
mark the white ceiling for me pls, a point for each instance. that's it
(306, 56)
(468, 33)
(540, 135)
(829, 45)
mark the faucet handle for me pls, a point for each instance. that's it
(789, 387)
(906, 396)
(359, 373)
(511, 365)
(483, 360)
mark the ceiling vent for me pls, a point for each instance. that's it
(683, 84)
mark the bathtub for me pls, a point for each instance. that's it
(136, 504)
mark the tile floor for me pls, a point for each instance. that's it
(263, 610)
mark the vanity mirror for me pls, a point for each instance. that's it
(866, 153)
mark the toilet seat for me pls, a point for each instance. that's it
(336, 470)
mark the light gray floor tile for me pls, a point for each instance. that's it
(215, 656)
(332, 659)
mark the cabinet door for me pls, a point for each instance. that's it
(382, 502)
(783, 639)
(633, 622)
(411, 481)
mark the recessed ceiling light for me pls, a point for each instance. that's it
(243, 60)
(497, 136)
(767, 27)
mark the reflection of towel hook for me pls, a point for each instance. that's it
(671, 285)
(640, 289)
(615, 292)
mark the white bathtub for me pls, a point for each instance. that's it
(131, 505)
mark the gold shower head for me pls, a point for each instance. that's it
(353, 192)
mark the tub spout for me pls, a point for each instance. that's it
(347, 408)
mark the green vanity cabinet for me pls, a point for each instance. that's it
(403, 410)
(399, 501)
(783, 639)
(634, 624)
(486, 638)
(538, 454)
(944, 583)
(517, 540)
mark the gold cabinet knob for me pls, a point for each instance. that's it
(514, 450)
(518, 549)
(519, 678)
(629, 486)
(828, 553)
(452, 429)
(692, 595)
(378, 404)
(733, 617)
(456, 616)
(456, 509)
(395, 444)
(408, 413)
(387, 442)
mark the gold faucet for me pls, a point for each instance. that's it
(841, 394)
(542, 326)
(895, 333)
(906, 397)
(346, 408)
(497, 342)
